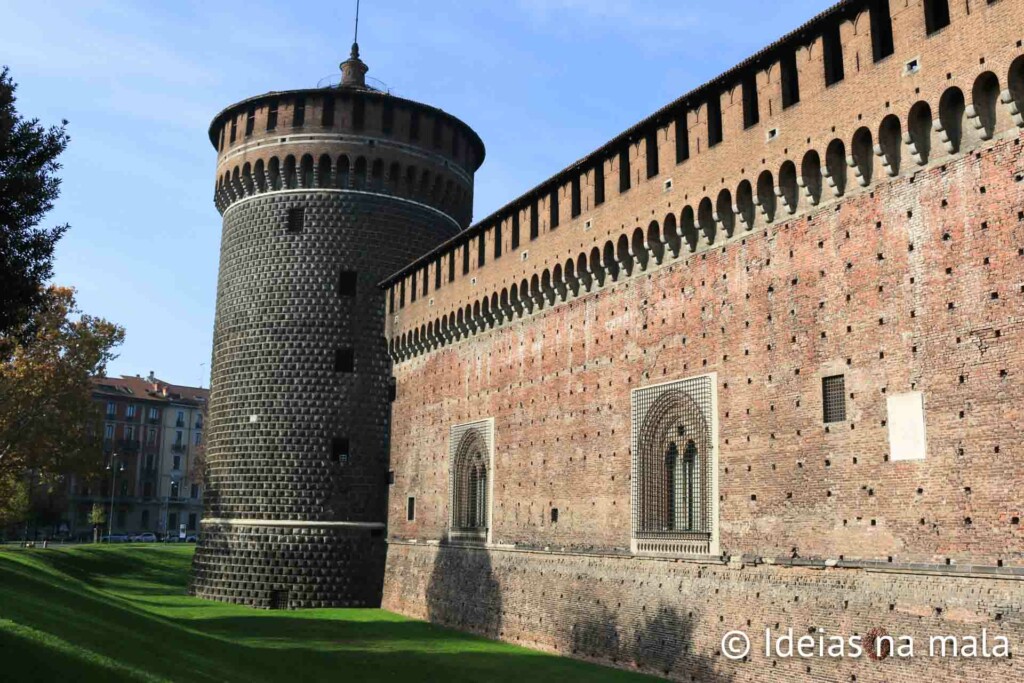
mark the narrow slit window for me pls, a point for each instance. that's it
(881, 30)
(347, 283)
(790, 80)
(296, 219)
(833, 50)
(299, 113)
(624, 179)
(234, 130)
(327, 114)
(714, 120)
(410, 509)
(272, 115)
(651, 149)
(250, 121)
(833, 398)
(751, 115)
(682, 139)
(936, 15)
(575, 199)
(344, 360)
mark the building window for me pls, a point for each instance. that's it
(624, 179)
(682, 139)
(108, 432)
(339, 450)
(175, 489)
(129, 433)
(299, 113)
(250, 121)
(790, 80)
(198, 438)
(234, 130)
(881, 29)
(194, 491)
(410, 509)
(145, 520)
(833, 398)
(176, 462)
(651, 149)
(272, 115)
(673, 467)
(554, 515)
(129, 412)
(192, 521)
(111, 409)
(471, 462)
(296, 219)
(344, 360)
(151, 436)
(347, 280)
(599, 183)
(714, 108)
(327, 114)
(154, 414)
(936, 15)
(751, 115)
(180, 422)
(833, 50)
(147, 489)
(172, 522)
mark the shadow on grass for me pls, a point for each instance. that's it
(53, 593)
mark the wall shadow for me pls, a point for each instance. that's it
(462, 591)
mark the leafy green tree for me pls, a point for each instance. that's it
(97, 517)
(28, 187)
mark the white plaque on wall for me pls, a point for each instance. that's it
(906, 426)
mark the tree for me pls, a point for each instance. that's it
(97, 517)
(49, 424)
(14, 501)
(28, 187)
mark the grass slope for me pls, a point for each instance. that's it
(109, 613)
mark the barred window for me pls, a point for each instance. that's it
(470, 451)
(673, 467)
(833, 398)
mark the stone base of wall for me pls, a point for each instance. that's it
(316, 567)
(668, 617)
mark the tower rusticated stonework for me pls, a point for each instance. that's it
(324, 192)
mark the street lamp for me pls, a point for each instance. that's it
(113, 486)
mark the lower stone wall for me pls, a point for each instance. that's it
(669, 617)
(289, 567)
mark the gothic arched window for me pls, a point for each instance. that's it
(470, 483)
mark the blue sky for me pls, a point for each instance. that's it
(543, 82)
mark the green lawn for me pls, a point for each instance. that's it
(106, 613)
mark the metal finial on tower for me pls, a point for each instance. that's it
(353, 70)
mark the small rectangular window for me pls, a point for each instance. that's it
(682, 139)
(553, 209)
(534, 221)
(272, 115)
(358, 113)
(410, 509)
(575, 198)
(790, 79)
(191, 521)
(833, 398)
(296, 219)
(387, 120)
(751, 114)
(327, 115)
(881, 29)
(299, 113)
(391, 477)
(714, 120)
(599, 183)
(344, 360)
(624, 178)
(347, 280)
(936, 15)
(234, 130)
(515, 229)
(651, 152)
(554, 515)
(250, 121)
(833, 51)
(339, 450)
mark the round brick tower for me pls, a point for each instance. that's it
(324, 192)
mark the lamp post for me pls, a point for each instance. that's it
(113, 485)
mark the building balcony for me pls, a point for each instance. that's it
(131, 418)
(179, 447)
(128, 446)
(153, 420)
(179, 423)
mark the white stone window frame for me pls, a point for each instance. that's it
(455, 436)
